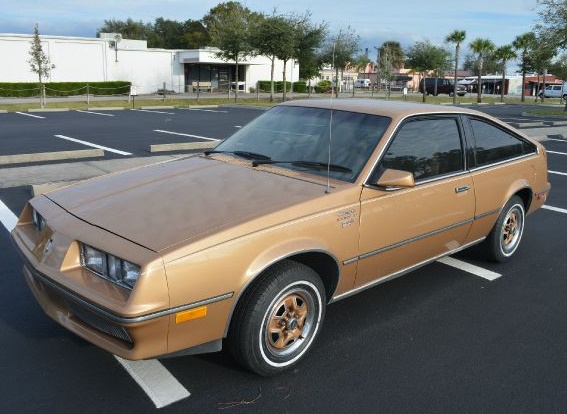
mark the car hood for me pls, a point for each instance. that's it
(165, 204)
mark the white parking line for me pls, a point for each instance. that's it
(90, 144)
(152, 111)
(556, 209)
(7, 218)
(470, 268)
(557, 172)
(185, 135)
(556, 152)
(33, 116)
(162, 387)
(208, 110)
(94, 113)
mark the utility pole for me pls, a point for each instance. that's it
(378, 75)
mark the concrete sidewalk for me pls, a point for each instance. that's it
(43, 178)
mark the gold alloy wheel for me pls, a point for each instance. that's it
(278, 319)
(512, 229)
(289, 322)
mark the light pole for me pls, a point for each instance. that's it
(117, 38)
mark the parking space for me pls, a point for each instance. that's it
(557, 161)
(60, 135)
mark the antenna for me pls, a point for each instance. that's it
(328, 189)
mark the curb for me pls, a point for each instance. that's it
(105, 108)
(50, 156)
(49, 110)
(156, 107)
(186, 146)
(37, 189)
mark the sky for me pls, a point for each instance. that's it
(375, 21)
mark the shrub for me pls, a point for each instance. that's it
(31, 89)
(323, 86)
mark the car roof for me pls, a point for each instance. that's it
(391, 109)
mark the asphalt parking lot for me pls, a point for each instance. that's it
(459, 335)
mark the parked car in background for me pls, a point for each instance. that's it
(444, 86)
(555, 91)
(245, 245)
(363, 83)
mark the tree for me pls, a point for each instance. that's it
(195, 35)
(129, 29)
(504, 54)
(490, 65)
(524, 44)
(361, 62)
(340, 51)
(457, 37)
(310, 39)
(39, 63)
(482, 48)
(390, 59)
(166, 34)
(276, 36)
(230, 26)
(541, 58)
(553, 16)
(424, 57)
(558, 66)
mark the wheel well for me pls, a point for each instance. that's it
(324, 265)
(526, 195)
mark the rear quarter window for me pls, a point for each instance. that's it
(494, 144)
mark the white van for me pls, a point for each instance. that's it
(363, 83)
(555, 91)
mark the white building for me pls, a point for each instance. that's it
(111, 58)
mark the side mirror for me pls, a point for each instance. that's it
(396, 179)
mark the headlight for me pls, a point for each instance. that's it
(115, 269)
(38, 220)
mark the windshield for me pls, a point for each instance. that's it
(298, 138)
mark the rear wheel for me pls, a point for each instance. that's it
(505, 237)
(278, 319)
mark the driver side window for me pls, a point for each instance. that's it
(426, 147)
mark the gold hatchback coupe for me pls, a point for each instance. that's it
(245, 244)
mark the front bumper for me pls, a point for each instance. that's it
(130, 338)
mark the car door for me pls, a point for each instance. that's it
(502, 167)
(403, 227)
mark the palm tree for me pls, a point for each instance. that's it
(482, 48)
(504, 53)
(456, 37)
(524, 43)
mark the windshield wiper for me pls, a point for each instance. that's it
(314, 165)
(244, 154)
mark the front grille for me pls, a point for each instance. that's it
(101, 324)
(65, 301)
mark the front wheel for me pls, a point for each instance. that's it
(504, 239)
(278, 319)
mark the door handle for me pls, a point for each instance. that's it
(462, 189)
